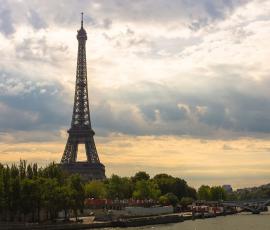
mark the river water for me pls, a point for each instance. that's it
(243, 221)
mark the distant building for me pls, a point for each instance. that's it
(227, 188)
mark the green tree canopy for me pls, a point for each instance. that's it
(146, 189)
(204, 193)
(185, 201)
(177, 186)
(217, 193)
(119, 187)
(95, 189)
(140, 176)
(25, 189)
(169, 199)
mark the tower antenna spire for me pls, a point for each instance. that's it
(82, 20)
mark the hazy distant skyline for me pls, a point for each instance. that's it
(178, 87)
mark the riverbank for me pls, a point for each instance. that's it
(129, 222)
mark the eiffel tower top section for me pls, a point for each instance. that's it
(81, 113)
(82, 33)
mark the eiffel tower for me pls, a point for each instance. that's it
(81, 131)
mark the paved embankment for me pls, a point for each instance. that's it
(66, 226)
(131, 222)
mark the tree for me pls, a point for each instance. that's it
(53, 171)
(2, 204)
(77, 195)
(119, 188)
(14, 191)
(204, 193)
(164, 200)
(29, 172)
(217, 193)
(185, 201)
(6, 191)
(15, 196)
(233, 196)
(95, 189)
(192, 193)
(165, 183)
(180, 188)
(146, 189)
(169, 198)
(140, 176)
(22, 169)
(30, 197)
(64, 199)
(170, 184)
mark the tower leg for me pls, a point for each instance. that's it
(70, 153)
(91, 152)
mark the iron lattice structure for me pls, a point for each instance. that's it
(81, 131)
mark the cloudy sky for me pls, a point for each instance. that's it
(179, 86)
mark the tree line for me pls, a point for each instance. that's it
(162, 187)
(26, 190)
(262, 192)
(214, 193)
